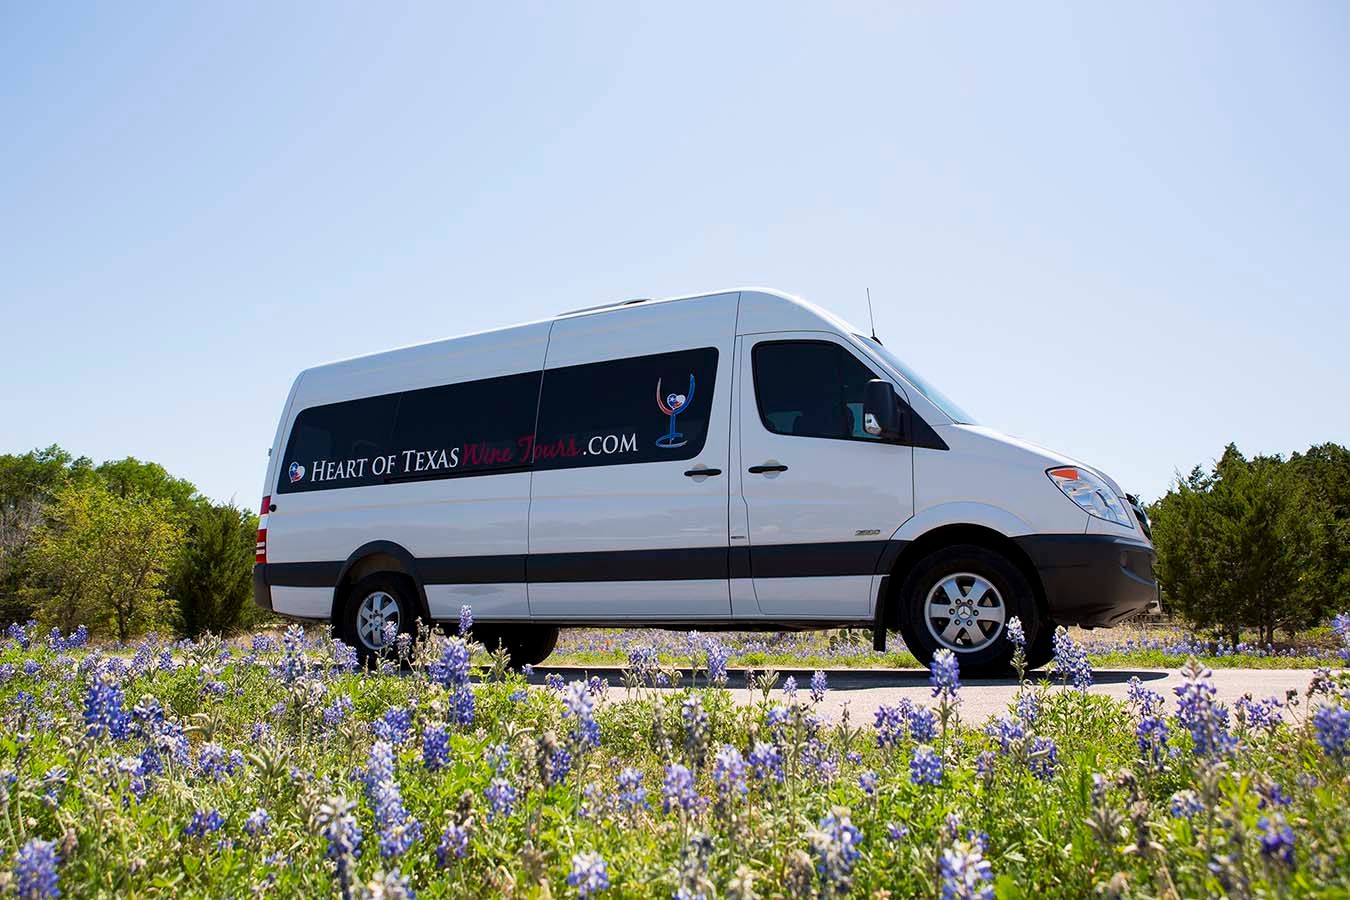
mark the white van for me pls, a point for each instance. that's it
(739, 460)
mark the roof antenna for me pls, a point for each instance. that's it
(871, 318)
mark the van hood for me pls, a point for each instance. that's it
(1043, 455)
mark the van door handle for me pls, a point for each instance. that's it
(695, 472)
(759, 470)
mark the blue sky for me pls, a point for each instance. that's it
(1121, 233)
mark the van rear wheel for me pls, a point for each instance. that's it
(960, 598)
(378, 610)
(526, 645)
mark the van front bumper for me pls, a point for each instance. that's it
(262, 592)
(1092, 580)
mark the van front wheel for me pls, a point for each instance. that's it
(960, 598)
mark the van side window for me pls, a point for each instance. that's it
(471, 428)
(326, 441)
(810, 389)
(486, 426)
(635, 410)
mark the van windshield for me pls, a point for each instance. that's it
(921, 384)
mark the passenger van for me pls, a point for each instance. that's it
(737, 460)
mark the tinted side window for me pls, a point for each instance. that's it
(334, 445)
(470, 428)
(640, 409)
(811, 389)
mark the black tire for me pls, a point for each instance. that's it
(989, 651)
(353, 623)
(526, 645)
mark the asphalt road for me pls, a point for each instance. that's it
(863, 690)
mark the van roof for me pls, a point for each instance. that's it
(618, 306)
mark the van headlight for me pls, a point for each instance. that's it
(1091, 494)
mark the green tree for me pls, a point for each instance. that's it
(101, 559)
(211, 581)
(132, 477)
(28, 483)
(1236, 547)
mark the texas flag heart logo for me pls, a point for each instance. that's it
(297, 472)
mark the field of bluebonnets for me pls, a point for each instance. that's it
(277, 767)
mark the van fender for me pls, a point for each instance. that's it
(379, 556)
(995, 518)
(959, 519)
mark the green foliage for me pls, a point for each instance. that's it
(1253, 543)
(1100, 818)
(102, 558)
(211, 579)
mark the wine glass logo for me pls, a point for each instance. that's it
(673, 404)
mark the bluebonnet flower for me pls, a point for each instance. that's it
(1005, 730)
(889, 725)
(395, 726)
(1341, 625)
(1145, 702)
(103, 712)
(454, 843)
(922, 723)
(966, 874)
(335, 712)
(776, 720)
(501, 797)
(554, 682)
(818, 686)
(293, 665)
(465, 619)
(678, 789)
(896, 832)
(344, 656)
(717, 662)
(790, 688)
(7, 672)
(518, 695)
(398, 829)
(338, 826)
(766, 761)
(1015, 633)
(559, 764)
(435, 747)
(835, 843)
(19, 633)
(868, 782)
(498, 756)
(1272, 796)
(944, 674)
(204, 822)
(35, 873)
(729, 771)
(1185, 804)
(924, 767)
(1332, 725)
(1028, 707)
(1277, 840)
(1043, 758)
(1071, 662)
(54, 781)
(695, 721)
(597, 687)
(1151, 734)
(632, 795)
(984, 763)
(578, 705)
(1198, 713)
(462, 706)
(451, 670)
(589, 874)
(212, 760)
(1263, 715)
(643, 662)
(258, 822)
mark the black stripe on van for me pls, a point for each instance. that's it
(832, 558)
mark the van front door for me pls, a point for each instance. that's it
(629, 493)
(822, 496)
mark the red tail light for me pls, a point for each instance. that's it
(260, 556)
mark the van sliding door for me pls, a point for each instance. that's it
(629, 492)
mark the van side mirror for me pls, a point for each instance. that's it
(881, 410)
